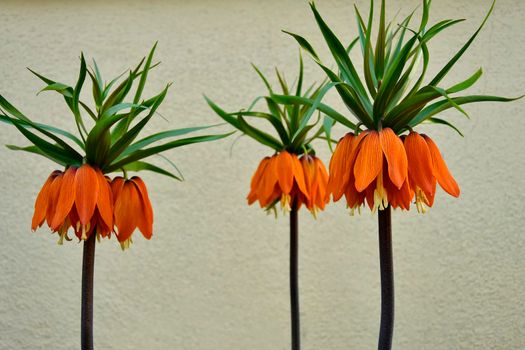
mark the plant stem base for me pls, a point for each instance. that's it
(294, 278)
(86, 320)
(386, 329)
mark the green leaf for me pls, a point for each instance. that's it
(259, 135)
(342, 60)
(365, 35)
(451, 101)
(226, 116)
(76, 95)
(332, 113)
(441, 106)
(443, 122)
(328, 123)
(443, 72)
(141, 165)
(63, 89)
(380, 45)
(9, 108)
(391, 78)
(306, 117)
(50, 128)
(97, 80)
(275, 121)
(118, 94)
(99, 133)
(304, 44)
(401, 31)
(141, 154)
(144, 75)
(50, 149)
(263, 78)
(125, 140)
(117, 108)
(36, 150)
(23, 121)
(466, 83)
(88, 110)
(161, 136)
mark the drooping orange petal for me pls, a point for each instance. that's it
(65, 199)
(337, 168)
(104, 199)
(309, 170)
(127, 211)
(268, 180)
(86, 192)
(398, 197)
(74, 221)
(310, 178)
(256, 179)
(284, 171)
(102, 229)
(354, 199)
(441, 172)
(369, 193)
(419, 163)
(257, 175)
(322, 182)
(298, 174)
(270, 199)
(369, 161)
(395, 155)
(350, 159)
(116, 187)
(41, 202)
(54, 191)
(145, 222)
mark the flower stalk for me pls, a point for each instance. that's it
(294, 277)
(86, 318)
(386, 329)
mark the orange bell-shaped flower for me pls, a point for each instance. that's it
(316, 179)
(278, 178)
(371, 166)
(80, 198)
(425, 168)
(132, 209)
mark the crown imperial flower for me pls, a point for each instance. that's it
(80, 196)
(132, 209)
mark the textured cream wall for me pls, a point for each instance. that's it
(215, 274)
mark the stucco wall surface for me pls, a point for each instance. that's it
(214, 276)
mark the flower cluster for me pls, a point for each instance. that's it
(86, 201)
(290, 180)
(386, 169)
(83, 197)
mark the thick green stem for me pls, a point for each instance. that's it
(386, 330)
(294, 278)
(86, 320)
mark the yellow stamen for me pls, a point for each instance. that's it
(421, 200)
(380, 195)
(126, 244)
(285, 202)
(352, 210)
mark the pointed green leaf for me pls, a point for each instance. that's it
(141, 165)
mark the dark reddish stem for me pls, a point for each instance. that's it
(88, 267)
(386, 329)
(294, 277)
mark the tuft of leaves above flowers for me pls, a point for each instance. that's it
(117, 119)
(390, 96)
(294, 130)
